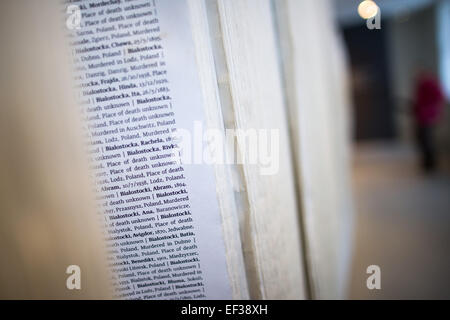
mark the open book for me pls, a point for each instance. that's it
(140, 97)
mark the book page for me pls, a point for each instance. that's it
(139, 89)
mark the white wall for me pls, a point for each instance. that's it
(317, 96)
(280, 65)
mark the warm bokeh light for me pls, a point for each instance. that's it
(368, 9)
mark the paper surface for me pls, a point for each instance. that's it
(138, 84)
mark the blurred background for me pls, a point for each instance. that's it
(400, 79)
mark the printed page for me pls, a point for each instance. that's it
(139, 90)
